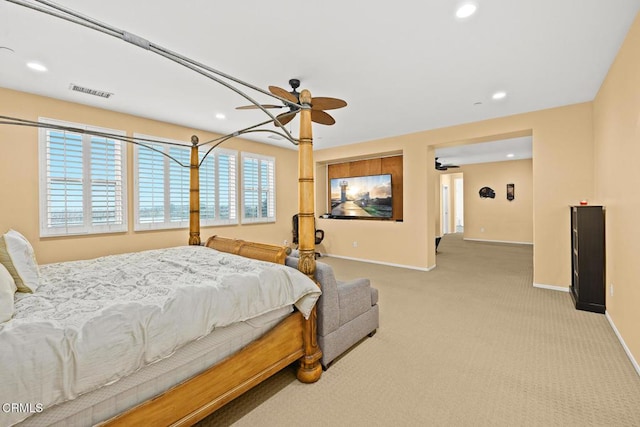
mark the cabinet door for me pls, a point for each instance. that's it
(587, 262)
(575, 278)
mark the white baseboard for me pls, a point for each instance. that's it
(498, 241)
(411, 267)
(624, 345)
(552, 287)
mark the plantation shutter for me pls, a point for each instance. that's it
(258, 188)
(64, 182)
(267, 187)
(179, 184)
(162, 187)
(218, 188)
(227, 199)
(250, 187)
(106, 182)
(150, 188)
(207, 189)
(83, 183)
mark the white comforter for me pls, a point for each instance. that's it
(93, 322)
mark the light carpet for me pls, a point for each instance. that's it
(471, 343)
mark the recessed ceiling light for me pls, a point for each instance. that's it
(510, 155)
(499, 95)
(220, 116)
(36, 66)
(466, 10)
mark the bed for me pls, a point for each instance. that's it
(160, 393)
(205, 382)
(97, 323)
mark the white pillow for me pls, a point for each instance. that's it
(7, 289)
(17, 255)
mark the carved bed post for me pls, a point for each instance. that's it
(310, 369)
(306, 232)
(194, 194)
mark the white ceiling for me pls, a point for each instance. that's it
(403, 67)
(485, 152)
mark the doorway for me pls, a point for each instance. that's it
(451, 203)
(445, 209)
(459, 204)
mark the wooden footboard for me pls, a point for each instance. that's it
(310, 369)
(293, 339)
(194, 399)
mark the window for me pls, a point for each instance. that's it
(82, 181)
(162, 186)
(258, 188)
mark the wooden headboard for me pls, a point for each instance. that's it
(261, 251)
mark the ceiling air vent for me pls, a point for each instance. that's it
(88, 91)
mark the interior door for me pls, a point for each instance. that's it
(445, 209)
(459, 205)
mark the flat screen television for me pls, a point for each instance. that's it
(365, 197)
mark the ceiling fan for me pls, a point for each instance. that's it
(318, 105)
(443, 167)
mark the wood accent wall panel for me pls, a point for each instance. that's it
(338, 170)
(365, 167)
(391, 165)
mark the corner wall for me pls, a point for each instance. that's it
(617, 147)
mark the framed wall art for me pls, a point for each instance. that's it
(511, 192)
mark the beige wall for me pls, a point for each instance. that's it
(19, 181)
(562, 145)
(499, 219)
(617, 147)
(408, 243)
(563, 161)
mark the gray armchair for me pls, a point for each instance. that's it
(347, 311)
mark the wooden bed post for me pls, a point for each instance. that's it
(310, 369)
(194, 194)
(306, 231)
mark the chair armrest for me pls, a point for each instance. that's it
(347, 285)
(354, 299)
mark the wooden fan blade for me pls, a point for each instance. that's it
(323, 103)
(321, 117)
(278, 91)
(285, 118)
(255, 107)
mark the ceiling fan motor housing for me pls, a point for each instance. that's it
(294, 83)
